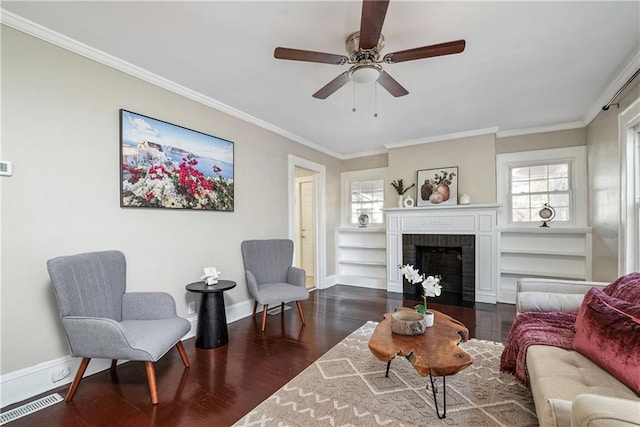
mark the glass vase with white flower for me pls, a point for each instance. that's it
(430, 284)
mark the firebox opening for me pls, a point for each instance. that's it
(444, 262)
(450, 256)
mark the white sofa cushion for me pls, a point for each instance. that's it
(558, 374)
(545, 301)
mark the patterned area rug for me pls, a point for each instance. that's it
(347, 387)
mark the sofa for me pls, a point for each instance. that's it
(569, 389)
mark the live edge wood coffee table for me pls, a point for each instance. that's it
(434, 353)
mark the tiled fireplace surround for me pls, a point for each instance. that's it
(443, 249)
(449, 225)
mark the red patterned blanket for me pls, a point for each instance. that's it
(554, 328)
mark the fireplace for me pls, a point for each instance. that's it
(460, 231)
(451, 256)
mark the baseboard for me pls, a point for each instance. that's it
(28, 382)
(363, 282)
(508, 297)
(25, 383)
(331, 281)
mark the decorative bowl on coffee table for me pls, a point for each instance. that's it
(408, 323)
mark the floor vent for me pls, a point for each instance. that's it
(29, 408)
(276, 310)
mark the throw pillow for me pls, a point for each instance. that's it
(626, 288)
(608, 333)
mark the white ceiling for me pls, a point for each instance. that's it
(527, 65)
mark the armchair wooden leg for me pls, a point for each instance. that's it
(282, 308)
(264, 316)
(114, 363)
(78, 377)
(255, 307)
(183, 354)
(151, 377)
(300, 312)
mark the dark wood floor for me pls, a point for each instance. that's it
(224, 384)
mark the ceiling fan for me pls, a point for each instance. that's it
(364, 48)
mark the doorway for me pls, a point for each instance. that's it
(305, 223)
(310, 254)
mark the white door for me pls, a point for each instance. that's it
(307, 228)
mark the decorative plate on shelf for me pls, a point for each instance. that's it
(363, 219)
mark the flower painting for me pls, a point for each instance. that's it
(438, 186)
(168, 166)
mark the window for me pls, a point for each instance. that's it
(629, 231)
(367, 197)
(526, 180)
(533, 186)
(363, 193)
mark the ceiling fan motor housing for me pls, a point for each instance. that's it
(358, 55)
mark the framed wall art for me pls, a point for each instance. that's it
(437, 186)
(163, 165)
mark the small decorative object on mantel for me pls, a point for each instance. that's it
(430, 288)
(399, 186)
(408, 202)
(438, 186)
(211, 276)
(465, 199)
(547, 213)
(363, 219)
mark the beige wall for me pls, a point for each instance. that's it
(603, 157)
(367, 162)
(542, 141)
(60, 129)
(475, 158)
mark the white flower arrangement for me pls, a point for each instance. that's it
(430, 284)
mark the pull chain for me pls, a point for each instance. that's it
(375, 100)
(354, 96)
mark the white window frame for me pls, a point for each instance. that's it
(629, 230)
(346, 178)
(577, 159)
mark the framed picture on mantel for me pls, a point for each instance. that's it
(438, 186)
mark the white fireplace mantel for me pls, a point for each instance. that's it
(476, 219)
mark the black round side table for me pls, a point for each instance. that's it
(211, 331)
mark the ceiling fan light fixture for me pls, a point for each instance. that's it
(365, 74)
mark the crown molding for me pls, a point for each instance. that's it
(625, 74)
(541, 129)
(36, 30)
(438, 138)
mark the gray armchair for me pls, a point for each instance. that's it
(271, 278)
(102, 320)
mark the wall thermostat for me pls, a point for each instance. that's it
(5, 168)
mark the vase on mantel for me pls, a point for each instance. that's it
(400, 201)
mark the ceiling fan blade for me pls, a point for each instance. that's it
(309, 56)
(425, 52)
(333, 86)
(373, 13)
(391, 85)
